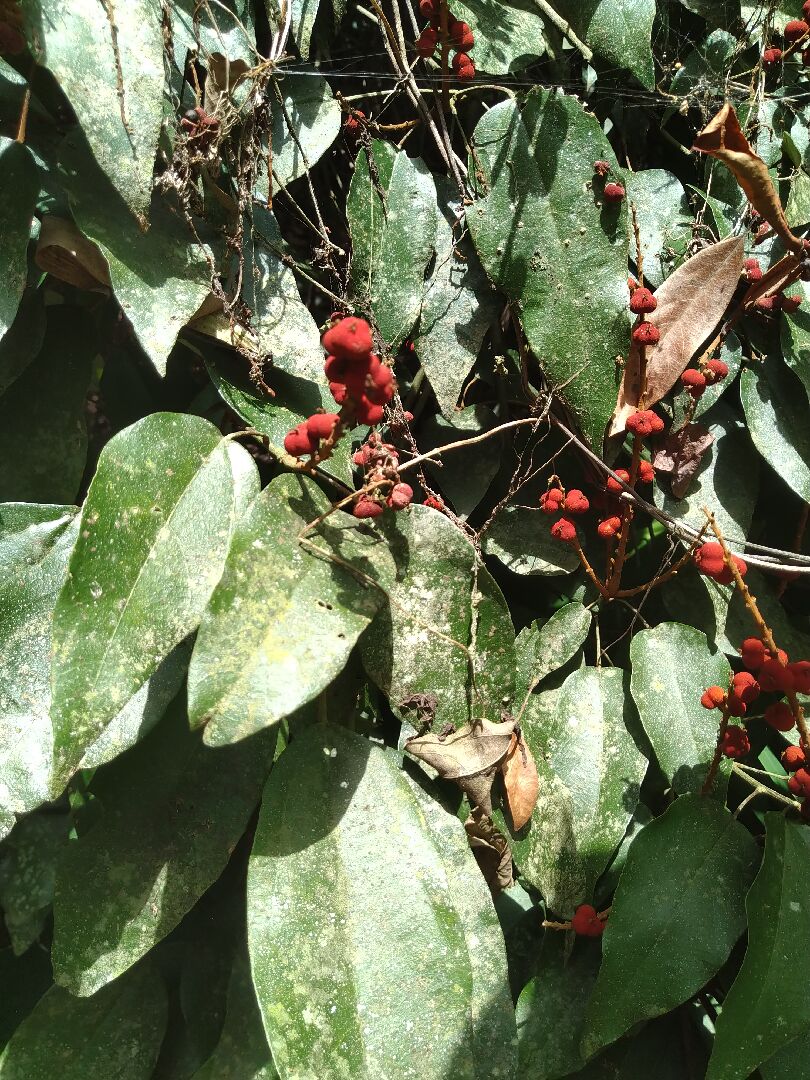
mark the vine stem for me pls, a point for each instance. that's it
(708, 783)
(762, 789)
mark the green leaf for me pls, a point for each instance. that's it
(421, 641)
(664, 219)
(458, 306)
(549, 1013)
(395, 945)
(763, 1010)
(787, 1063)
(115, 1034)
(508, 37)
(225, 27)
(718, 12)
(27, 872)
(282, 622)
(315, 119)
(392, 216)
(154, 534)
(84, 54)
(731, 355)
(539, 650)
(775, 406)
(24, 338)
(618, 31)
(35, 544)
(30, 975)
(583, 810)
(795, 339)
(562, 252)
(242, 1052)
(159, 277)
(676, 914)
(43, 432)
(463, 486)
(706, 65)
(173, 811)
(19, 188)
(521, 539)
(671, 666)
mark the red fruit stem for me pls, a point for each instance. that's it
(764, 630)
(708, 783)
(612, 586)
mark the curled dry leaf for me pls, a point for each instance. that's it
(681, 455)
(521, 782)
(491, 850)
(64, 252)
(723, 138)
(691, 303)
(470, 757)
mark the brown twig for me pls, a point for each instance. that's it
(708, 783)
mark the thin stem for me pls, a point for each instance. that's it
(708, 783)
(762, 789)
(564, 28)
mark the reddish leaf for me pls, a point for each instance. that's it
(723, 138)
(691, 303)
(521, 783)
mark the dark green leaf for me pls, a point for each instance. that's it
(521, 539)
(775, 405)
(19, 187)
(173, 811)
(765, 1008)
(27, 871)
(795, 338)
(283, 621)
(671, 666)
(539, 650)
(676, 914)
(618, 31)
(508, 37)
(315, 120)
(394, 946)
(393, 217)
(547, 241)
(116, 1034)
(787, 1063)
(664, 219)
(24, 338)
(463, 486)
(154, 534)
(43, 432)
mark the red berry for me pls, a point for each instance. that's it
(564, 530)
(793, 758)
(773, 676)
(426, 42)
(735, 706)
(322, 425)
(753, 653)
(791, 304)
(434, 503)
(769, 304)
(382, 389)
(614, 485)
(694, 381)
(602, 168)
(367, 412)
(338, 392)
(800, 671)
(795, 30)
(646, 334)
(551, 501)
(586, 922)
(780, 716)
(462, 66)
(646, 473)
(576, 502)
(632, 284)
(714, 371)
(428, 9)
(352, 129)
(745, 686)
(642, 302)
(799, 783)
(367, 508)
(400, 497)
(350, 338)
(461, 36)
(299, 441)
(712, 697)
(753, 271)
(644, 423)
(611, 526)
(710, 561)
(613, 193)
(771, 57)
(735, 742)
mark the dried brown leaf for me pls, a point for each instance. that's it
(521, 783)
(681, 455)
(491, 850)
(723, 138)
(691, 302)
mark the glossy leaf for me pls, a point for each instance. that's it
(583, 810)
(315, 119)
(775, 406)
(539, 650)
(173, 811)
(547, 242)
(117, 1033)
(43, 432)
(618, 31)
(120, 108)
(19, 187)
(664, 219)
(671, 666)
(521, 539)
(763, 1010)
(384, 900)
(677, 912)
(154, 534)
(458, 306)
(419, 641)
(283, 621)
(507, 37)
(392, 240)
(795, 337)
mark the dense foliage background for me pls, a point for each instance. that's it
(285, 792)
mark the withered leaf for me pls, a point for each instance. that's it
(681, 455)
(723, 138)
(470, 757)
(521, 783)
(491, 850)
(424, 705)
(691, 303)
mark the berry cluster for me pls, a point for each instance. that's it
(695, 380)
(776, 302)
(459, 38)
(380, 461)
(795, 34)
(611, 192)
(710, 560)
(643, 303)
